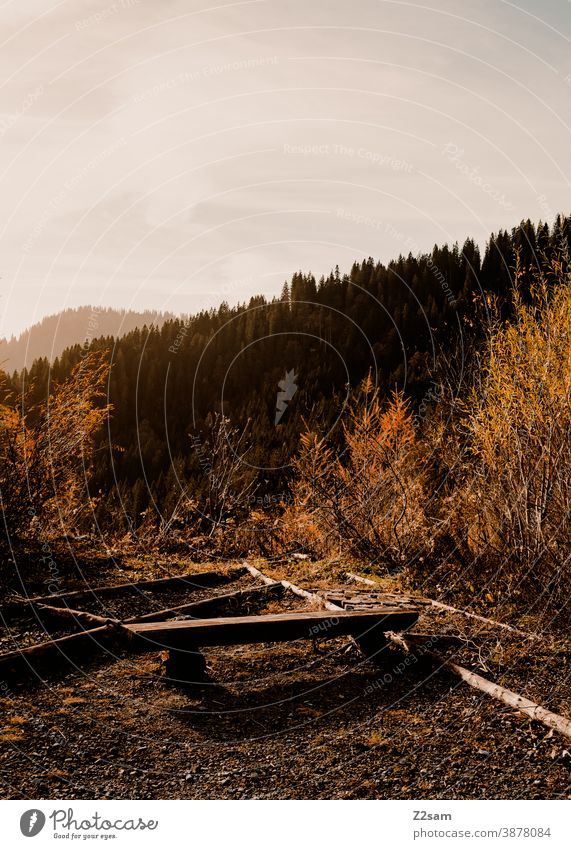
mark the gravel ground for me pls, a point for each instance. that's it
(293, 720)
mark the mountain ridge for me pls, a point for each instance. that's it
(54, 333)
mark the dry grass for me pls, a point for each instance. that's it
(376, 740)
(17, 720)
(9, 736)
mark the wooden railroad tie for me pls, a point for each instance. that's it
(184, 639)
(190, 582)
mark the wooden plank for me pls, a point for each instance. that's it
(279, 627)
(195, 580)
(372, 642)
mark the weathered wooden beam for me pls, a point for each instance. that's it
(241, 630)
(49, 612)
(195, 580)
(372, 643)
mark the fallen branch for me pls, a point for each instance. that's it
(361, 580)
(312, 597)
(257, 574)
(484, 619)
(496, 691)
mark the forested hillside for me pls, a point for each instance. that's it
(394, 322)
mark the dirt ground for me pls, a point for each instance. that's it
(293, 721)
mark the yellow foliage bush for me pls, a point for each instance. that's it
(46, 451)
(519, 426)
(368, 499)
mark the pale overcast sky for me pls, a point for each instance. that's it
(171, 154)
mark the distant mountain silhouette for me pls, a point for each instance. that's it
(54, 333)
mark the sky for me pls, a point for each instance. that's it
(172, 155)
